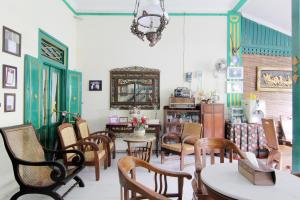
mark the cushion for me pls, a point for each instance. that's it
(177, 147)
(191, 129)
(89, 155)
(83, 129)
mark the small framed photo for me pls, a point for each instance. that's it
(235, 73)
(9, 102)
(10, 78)
(235, 86)
(123, 119)
(11, 41)
(114, 119)
(95, 85)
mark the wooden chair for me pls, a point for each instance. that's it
(90, 146)
(209, 147)
(84, 132)
(276, 152)
(131, 189)
(33, 173)
(184, 145)
(286, 123)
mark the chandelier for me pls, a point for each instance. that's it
(150, 19)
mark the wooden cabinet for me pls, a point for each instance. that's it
(212, 118)
(174, 117)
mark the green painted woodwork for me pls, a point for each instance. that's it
(33, 90)
(74, 97)
(234, 41)
(239, 5)
(46, 37)
(296, 86)
(262, 40)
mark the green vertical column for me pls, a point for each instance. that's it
(296, 85)
(233, 48)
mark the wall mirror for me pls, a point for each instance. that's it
(134, 86)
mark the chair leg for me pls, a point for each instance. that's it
(162, 156)
(17, 195)
(97, 170)
(114, 151)
(79, 181)
(181, 161)
(106, 161)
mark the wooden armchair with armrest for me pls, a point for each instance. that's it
(33, 173)
(190, 133)
(209, 147)
(133, 190)
(84, 132)
(94, 155)
(277, 153)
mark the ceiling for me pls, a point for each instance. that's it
(273, 13)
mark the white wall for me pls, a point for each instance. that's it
(105, 43)
(26, 17)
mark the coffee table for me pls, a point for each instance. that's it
(143, 153)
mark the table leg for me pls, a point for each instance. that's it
(128, 149)
(157, 142)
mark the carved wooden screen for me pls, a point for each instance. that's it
(134, 86)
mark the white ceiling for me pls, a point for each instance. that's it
(273, 13)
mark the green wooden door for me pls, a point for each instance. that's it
(74, 91)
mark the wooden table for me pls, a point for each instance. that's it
(223, 181)
(143, 153)
(124, 128)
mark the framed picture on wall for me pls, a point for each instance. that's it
(235, 86)
(11, 41)
(95, 85)
(9, 102)
(235, 73)
(10, 78)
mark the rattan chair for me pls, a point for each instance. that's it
(184, 143)
(277, 152)
(90, 146)
(32, 171)
(209, 147)
(84, 132)
(133, 190)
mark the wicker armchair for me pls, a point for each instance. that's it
(208, 147)
(127, 177)
(32, 171)
(184, 143)
(84, 132)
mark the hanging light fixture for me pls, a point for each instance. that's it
(150, 19)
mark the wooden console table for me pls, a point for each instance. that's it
(125, 129)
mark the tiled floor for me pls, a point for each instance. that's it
(108, 187)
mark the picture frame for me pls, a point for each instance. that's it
(123, 119)
(274, 79)
(11, 41)
(95, 85)
(235, 87)
(9, 102)
(113, 119)
(235, 73)
(9, 77)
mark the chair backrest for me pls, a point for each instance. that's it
(210, 146)
(192, 129)
(83, 129)
(21, 143)
(270, 133)
(127, 178)
(66, 134)
(287, 127)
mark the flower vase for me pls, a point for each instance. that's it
(139, 132)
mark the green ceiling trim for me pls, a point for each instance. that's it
(239, 5)
(175, 14)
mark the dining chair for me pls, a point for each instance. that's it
(210, 147)
(90, 146)
(84, 132)
(278, 154)
(131, 189)
(182, 144)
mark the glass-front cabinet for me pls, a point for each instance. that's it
(134, 86)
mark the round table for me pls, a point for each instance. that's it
(143, 153)
(225, 179)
